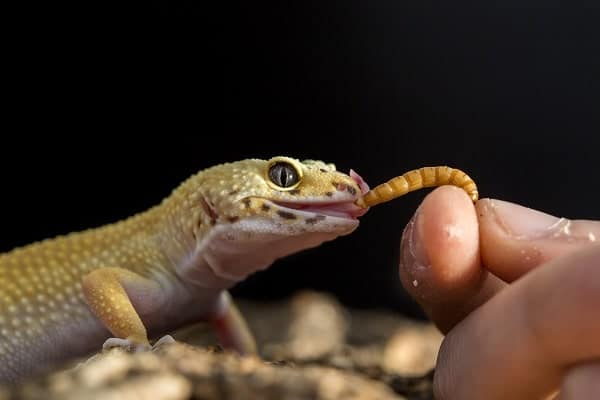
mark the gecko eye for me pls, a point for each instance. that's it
(284, 175)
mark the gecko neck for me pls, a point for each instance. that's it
(178, 224)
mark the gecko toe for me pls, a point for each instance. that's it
(124, 344)
(167, 339)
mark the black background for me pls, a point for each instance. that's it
(507, 91)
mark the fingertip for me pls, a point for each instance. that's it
(450, 237)
(440, 250)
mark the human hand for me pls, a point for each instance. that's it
(517, 293)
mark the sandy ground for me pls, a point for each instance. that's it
(310, 348)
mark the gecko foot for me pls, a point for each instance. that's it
(167, 339)
(133, 347)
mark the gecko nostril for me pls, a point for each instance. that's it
(339, 186)
(343, 187)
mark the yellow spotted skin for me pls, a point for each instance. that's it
(418, 179)
(165, 267)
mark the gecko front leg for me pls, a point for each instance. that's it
(109, 293)
(112, 292)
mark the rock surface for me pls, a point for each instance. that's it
(311, 348)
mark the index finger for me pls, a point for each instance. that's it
(516, 239)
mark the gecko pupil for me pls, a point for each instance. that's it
(283, 175)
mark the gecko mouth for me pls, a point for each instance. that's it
(345, 209)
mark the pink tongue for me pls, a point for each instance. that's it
(364, 188)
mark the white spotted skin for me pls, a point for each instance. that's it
(215, 229)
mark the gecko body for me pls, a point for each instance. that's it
(140, 278)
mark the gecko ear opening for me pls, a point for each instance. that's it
(283, 173)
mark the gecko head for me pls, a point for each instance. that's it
(256, 211)
(289, 196)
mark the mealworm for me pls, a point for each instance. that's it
(417, 179)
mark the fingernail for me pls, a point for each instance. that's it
(412, 233)
(523, 222)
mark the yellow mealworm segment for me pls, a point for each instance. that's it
(418, 179)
